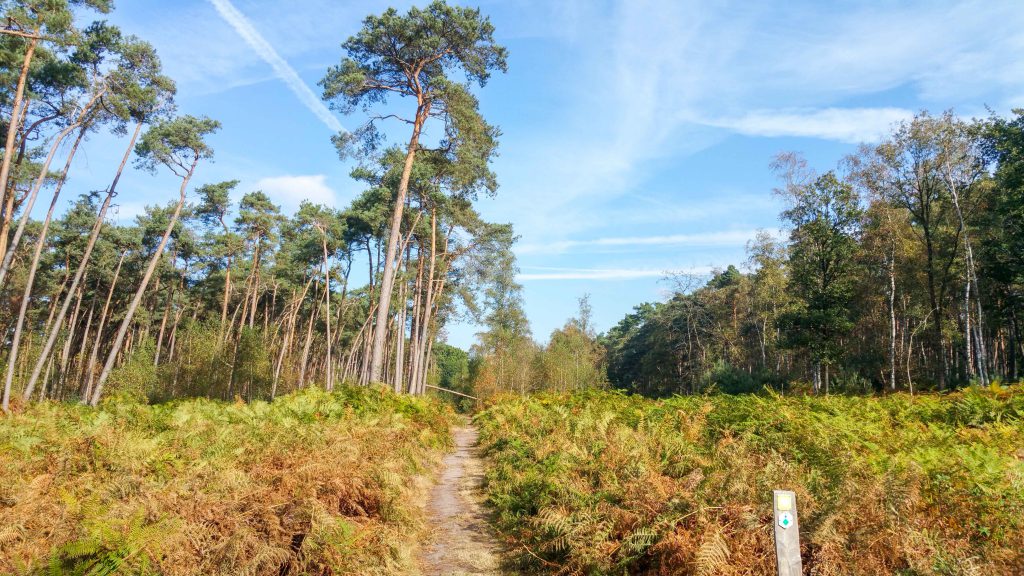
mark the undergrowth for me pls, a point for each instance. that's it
(312, 483)
(604, 483)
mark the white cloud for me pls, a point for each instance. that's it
(290, 191)
(284, 71)
(946, 53)
(693, 205)
(723, 238)
(851, 125)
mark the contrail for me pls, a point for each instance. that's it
(284, 71)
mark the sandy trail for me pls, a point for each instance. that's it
(461, 541)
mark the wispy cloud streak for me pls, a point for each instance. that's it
(592, 275)
(607, 274)
(284, 71)
(726, 238)
(851, 125)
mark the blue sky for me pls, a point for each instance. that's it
(637, 134)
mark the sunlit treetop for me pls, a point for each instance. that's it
(139, 91)
(432, 55)
(177, 144)
(413, 55)
(48, 19)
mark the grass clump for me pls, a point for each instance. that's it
(312, 483)
(604, 483)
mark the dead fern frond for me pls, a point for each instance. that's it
(713, 555)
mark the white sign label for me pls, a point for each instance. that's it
(786, 519)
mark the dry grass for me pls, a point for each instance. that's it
(313, 483)
(602, 483)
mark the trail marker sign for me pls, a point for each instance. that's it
(787, 534)
(785, 519)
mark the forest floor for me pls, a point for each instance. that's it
(461, 541)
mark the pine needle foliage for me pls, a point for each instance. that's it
(312, 483)
(606, 483)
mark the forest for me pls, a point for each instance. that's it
(215, 292)
(227, 386)
(898, 270)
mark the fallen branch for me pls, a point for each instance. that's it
(451, 391)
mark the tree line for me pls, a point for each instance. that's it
(218, 292)
(900, 269)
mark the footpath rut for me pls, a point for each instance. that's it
(461, 542)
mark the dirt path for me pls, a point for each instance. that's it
(461, 542)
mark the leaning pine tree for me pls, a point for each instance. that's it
(34, 22)
(136, 93)
(179, 145)
(412, 56)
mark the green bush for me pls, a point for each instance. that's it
(137, 378)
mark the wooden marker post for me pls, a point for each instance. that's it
(787, 534)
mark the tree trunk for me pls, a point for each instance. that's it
(972, 277)
(141, 290)
(327, 315)
(387, 282)
(398, 382)
(56, 298)
(172, 345)
(12, 132)
(65, 352)
(82, 348)
(417, 321)
(224, 305)
(433, 295)
(1014, 342)
(289, 336)
(892, 319)
(424, 321)
(304, 362)
(255, 282)
(34, 267)
(90, 244)
(268, 309)
(44, 171)
(968, 340)
(163, 326)
(10, 204)
(398, 379)
(426, 368)
(339, 326)
(87, 391)
(46, 378)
